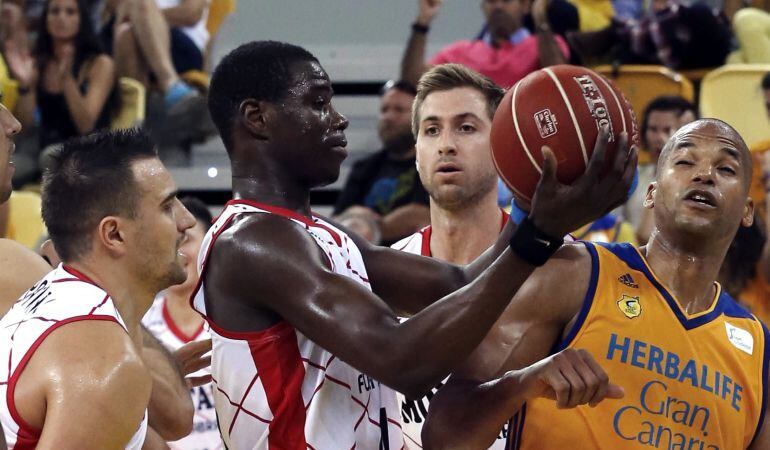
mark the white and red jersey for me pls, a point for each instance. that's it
(205, 433)
(277, 389)
(61, 297)
(415, 411)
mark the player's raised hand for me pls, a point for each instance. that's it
(428, 11)
(571, 377)
(558, 209)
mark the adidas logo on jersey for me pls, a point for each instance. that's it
(628, 280)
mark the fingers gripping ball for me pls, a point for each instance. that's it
(562, 107)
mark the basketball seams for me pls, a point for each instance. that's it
(567, 103)
(518, 130)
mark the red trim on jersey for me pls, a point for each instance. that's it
(311, 222)
(174, 329)
(280, 367)
(104, 300)
(427, 231)
(29, 435)
(77, 274)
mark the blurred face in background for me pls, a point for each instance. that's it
(661, 125)
(504, 16)
(10, 126)
(63, 19)
(395, 121)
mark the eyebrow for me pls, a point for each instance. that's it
(455, 117)
(321, 84)
(735, 154)
(170, 196)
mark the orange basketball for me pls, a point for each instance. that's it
(562, 107)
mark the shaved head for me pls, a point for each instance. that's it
(711, 129)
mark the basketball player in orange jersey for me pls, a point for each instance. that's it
(303, 316)
(75, 377)
(21, 268)
(694, 364)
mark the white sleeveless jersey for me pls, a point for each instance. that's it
(205, 433)
(61, 297)
(277, 389)
(415, 411)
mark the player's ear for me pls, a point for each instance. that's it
(748, 213)
(254, 116)
(649, 198)
(111, 235)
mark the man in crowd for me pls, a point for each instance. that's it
(383, 196)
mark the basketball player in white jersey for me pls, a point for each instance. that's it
(303, 316)
(75, 377)
(175, 324)
(452, 121)
(21, 268)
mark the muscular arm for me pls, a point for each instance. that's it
(80, 389)
(474, 407)
(170, 412)
(85, 109)
(187, 14)
(367, 334)
(21, 269)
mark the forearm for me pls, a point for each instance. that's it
(446, 332)
(472, 270)
(474, 412)
(404, 221)
(154, 441)
(548, 49)
(413, 61)
(83, 117)
(170, 409)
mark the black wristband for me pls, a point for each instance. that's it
(532, 245)
(420, 28)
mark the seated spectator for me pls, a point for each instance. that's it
(158, 39)
(675, 35)
(383, 198)
(744, 271)
(71, 81)
(752, 31)
(505, 51)
(662, 117)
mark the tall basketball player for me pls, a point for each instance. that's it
(303, 316)
(75, 377)
(21, 268)
(694, 364)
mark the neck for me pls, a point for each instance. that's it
(688, 272)
(131, 298)
(401, 155)
(461, 236)
(58, 47)
(178, 304)
(266, 183)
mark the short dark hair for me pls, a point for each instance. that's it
(198, 209)
(90, 178)
(669, 103)
(399, 85)
(258, 70)
(766, 81)
(445, 77)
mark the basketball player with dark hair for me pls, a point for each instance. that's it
(693, 363)
(76, 377)
(21, 268)
(304, 316)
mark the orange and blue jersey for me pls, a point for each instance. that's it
(692, 381)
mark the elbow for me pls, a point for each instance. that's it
(178, 423)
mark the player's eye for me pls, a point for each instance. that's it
(431, 130)
(726, 169)
(467, 128)
(684, 162)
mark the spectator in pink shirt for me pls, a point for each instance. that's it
(506, 51)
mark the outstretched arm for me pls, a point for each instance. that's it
(413, 61)
(489, 387)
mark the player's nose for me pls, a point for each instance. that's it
(185, 219)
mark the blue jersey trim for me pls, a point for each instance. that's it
(631, 256)
(587, 301)
(765, 387)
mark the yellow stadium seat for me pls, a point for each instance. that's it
(643, 83)
(9, 88)
(733, 93)
(25, 221)
(132, 104)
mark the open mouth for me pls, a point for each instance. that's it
(701, 198)
(448, 168)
